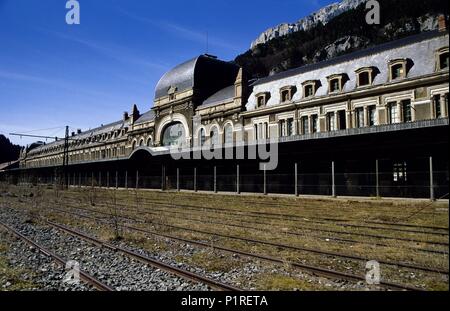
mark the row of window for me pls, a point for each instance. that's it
(214, 136)
(398, 69)
(363, 117)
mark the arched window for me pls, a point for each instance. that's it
(201, 137)
(228, 134)
(141, 143)
(214, 136)
(174, 135)
(149, 142)
(134, 145)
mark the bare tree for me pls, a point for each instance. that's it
(115, 217)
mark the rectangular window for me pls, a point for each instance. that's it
(397, 71)
(400, 172)
(342, 120)
(285, 96)
(314, 123)
(331, 121)
(309, 90)
(364, 78)
(335, 85)
(359, 113)
(392, 113)
(407, 111)
(261, 101)
(372, 110)
(282, 128)
(437, 106)
(289, 127)
(443, 60)
(305, 125)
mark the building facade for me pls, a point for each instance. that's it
(388, 103)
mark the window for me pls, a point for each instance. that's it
(335, 85)
(285, 96)
(392, 113)
(437, 106)
(282, 128)
(314, 123)
(400, 172)
(174, 135)
(310, 87)
(228, 134)
(342, 120)
(442, 59)
(331, 121)
(261, 99)
(261, 131)
(359, 114)
(309, 90)
(202, 137)
(398, 68)
(397, 71)
(364, 78)
(371, 110)
(290, 127)
(406, 111)
(214, 136)
(305, 125)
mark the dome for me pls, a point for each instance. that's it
(206, 73)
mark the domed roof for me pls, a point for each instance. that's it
(196, 72)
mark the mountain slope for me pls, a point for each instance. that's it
(342, 34)
(323, 16)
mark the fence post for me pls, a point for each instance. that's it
(195, 179)
(215, 179)
(296, 179)
(238, 189)
(126, 179)
(333, 181)
(265, 180)
(92, 179)
(117, 180)
(163, 177)
(100, 179)
(137, 179)
(178, 179)
(107, 179)
(432, 196)
(79, 180)
(377, 177)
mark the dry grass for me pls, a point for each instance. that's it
(137, 204)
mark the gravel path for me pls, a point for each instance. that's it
(112, 268)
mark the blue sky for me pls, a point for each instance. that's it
(53, 74)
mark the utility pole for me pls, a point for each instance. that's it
(66, 159)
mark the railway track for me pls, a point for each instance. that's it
(277, 245)
(341, 240)
(304, 267)
(250, 226)
(83, 275)
(145, 259)
(290, 217)
(311, 229)
(439, 231)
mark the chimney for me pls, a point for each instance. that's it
(125, 116)
(78, 131)
(135, 114)
(442, 22)
(73, 134)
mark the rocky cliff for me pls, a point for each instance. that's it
(324, 15)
